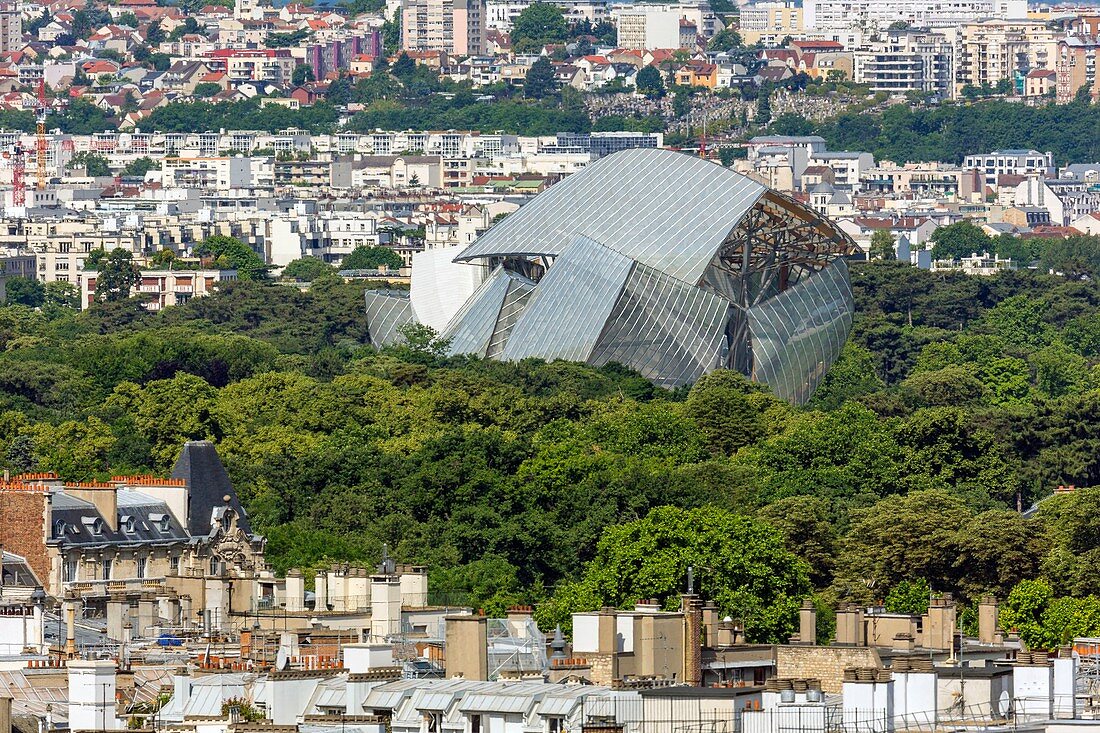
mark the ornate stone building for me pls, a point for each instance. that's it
(177, 552)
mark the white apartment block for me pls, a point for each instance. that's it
(221, 174)
(1010, 162)
(328, 236)
(657, 25)
(501, 14)
(769, 22)
(822, 17)
(454, 26)
(907, 61)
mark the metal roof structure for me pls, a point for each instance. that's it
(668, 264)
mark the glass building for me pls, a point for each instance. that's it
(666, 263)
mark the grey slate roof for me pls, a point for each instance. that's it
(202, 469)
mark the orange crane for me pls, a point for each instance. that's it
(41, 110)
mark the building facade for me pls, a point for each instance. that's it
(907, 61)
(453, 26)
(768, 23)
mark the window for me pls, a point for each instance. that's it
(141, 561)
(475, 724)
(59, 528)
(106, 569)
(174, 563)
(555, 725)
(68, 571)
(433, 722)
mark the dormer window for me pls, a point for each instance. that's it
(59, 528)
(126, 523)
(97, 527)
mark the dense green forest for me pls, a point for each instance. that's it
(957, 400)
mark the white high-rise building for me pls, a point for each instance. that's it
(822, 17)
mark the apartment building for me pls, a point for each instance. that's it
(328, 235)
(655, 25)
(992, 51)
(1011, 162)
(221, 173)
(1076, 67)
(11, 27)
(907, 61)
(769, 22)
(275, 65)
(452, 26)
(826, 16)
(161, 288)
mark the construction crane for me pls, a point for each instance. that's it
(18, 174)
(41, 110)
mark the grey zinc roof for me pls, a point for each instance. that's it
(665, 209)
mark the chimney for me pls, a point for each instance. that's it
(939, 631)
(467, 647)
(5, 713)
(181, 685)
(987, 621)
(807, 623)
(850, 629)
(710, 624)
(294, 591)
(693, 631)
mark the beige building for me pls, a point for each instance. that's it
(11, 28)
(990, 51)
(769, 22)
(453, 26)
(1076, 68)
(162, 288)
(181, 549)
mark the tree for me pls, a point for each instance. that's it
(371, 258)
(882, 246)
(420, 344)
(537, 25)
(540, 79)
(763, 108)
(154, 34)
(25, 291)
(116, 274)
(909, 596)
(650, 83)
(960, 239)
(307, 269)
(232, 253)
(404, 66)
(738, 562)
(93, 165)
(725, 40)
(303, 73)
(139, 167)
(62, 295)
(808, 532)
(207, 89)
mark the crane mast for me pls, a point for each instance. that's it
(41, 110)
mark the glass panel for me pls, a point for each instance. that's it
(797, 335)
(387, 310)
(668, 210)
(669, 331)
(570, 305)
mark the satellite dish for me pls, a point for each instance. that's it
(282, 659)
(1004, 704)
